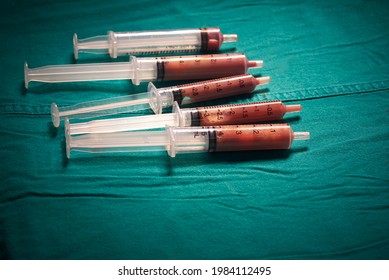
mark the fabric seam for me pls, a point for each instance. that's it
(300, 94)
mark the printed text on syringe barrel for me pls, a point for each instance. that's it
(237, 113)
(214, 89)
(246, 137)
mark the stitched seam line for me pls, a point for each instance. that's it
(300, 94)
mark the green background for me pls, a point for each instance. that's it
(327, 198)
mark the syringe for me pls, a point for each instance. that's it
(190, 67)
(159, 41)
(156, 99)
(254, 112)
(177, 140)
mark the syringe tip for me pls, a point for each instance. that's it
(255, 64)
(301, 135)
(26, 78)
(75, 46)
(293, 108)
(230, 38)
(263, 80)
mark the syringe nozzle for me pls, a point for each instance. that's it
(293, 108)
(301, 135)
(263, 80)
(255, 64)
(230, 38)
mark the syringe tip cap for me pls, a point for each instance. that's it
(301, 135)
(263, 80)
(255, 64)
(293, 108)
(55, 114)
(75, 46)
(230, 38)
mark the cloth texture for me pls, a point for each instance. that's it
(326, 198)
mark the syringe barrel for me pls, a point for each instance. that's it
(251, 138)
(158, 41)
(254, 112)
(203, 66)
(197, 67)
(231, 138)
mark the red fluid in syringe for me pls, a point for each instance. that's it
(200, 66)
(219, 88)
(251, 137)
